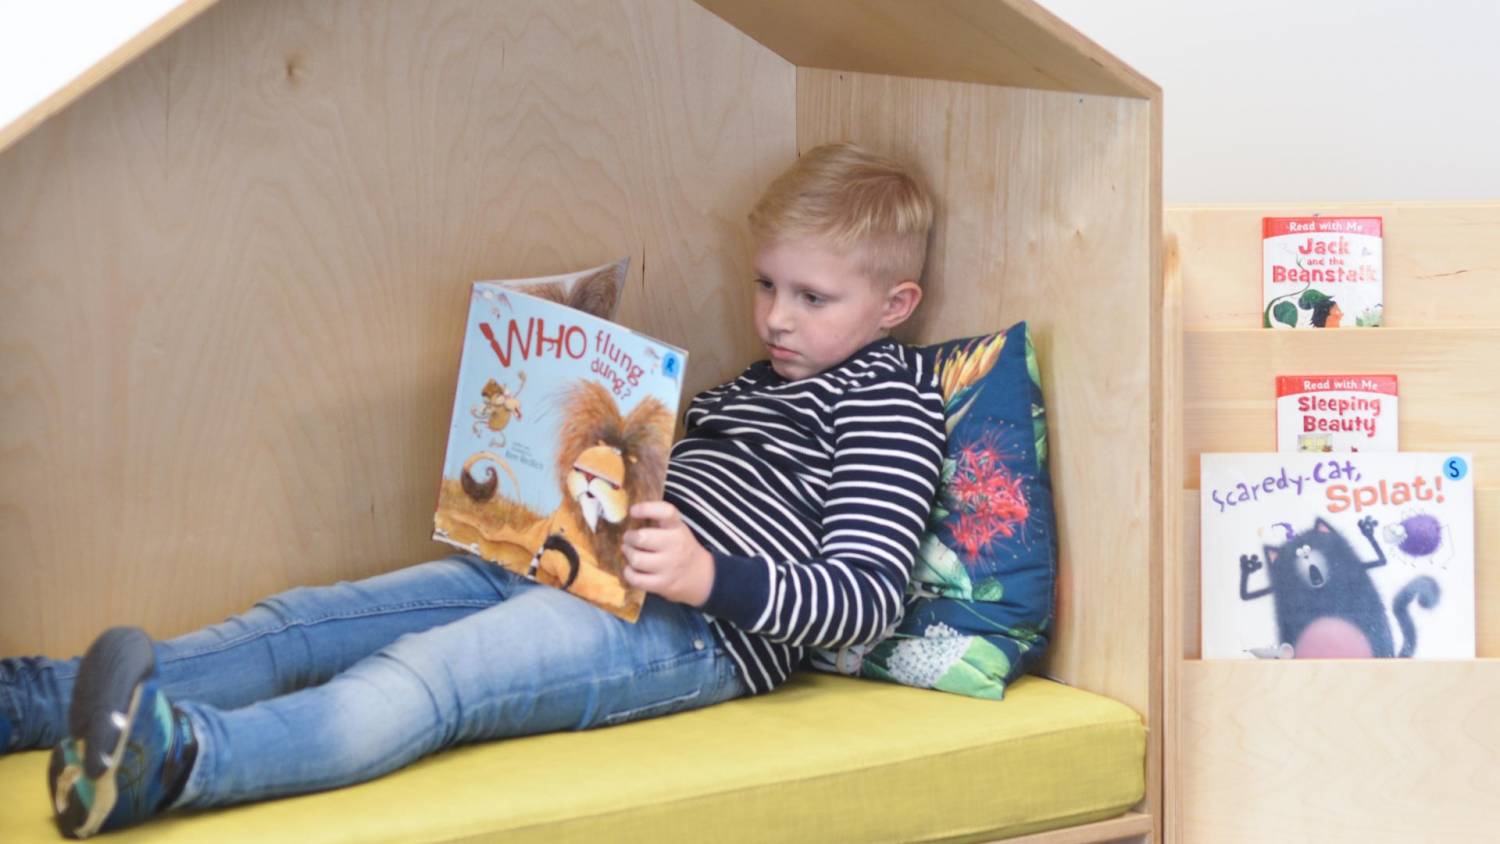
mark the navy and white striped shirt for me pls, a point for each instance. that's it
(812, 496)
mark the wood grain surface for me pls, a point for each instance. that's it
(235, 275)
(1045, 216)
(1442, 261)
(1445, 376)
(1338, 751)
(1010, 43)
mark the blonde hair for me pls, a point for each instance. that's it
(855, 201)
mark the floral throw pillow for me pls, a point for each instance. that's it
(979, 610)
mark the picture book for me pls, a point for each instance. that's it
(1336, 413)
(561, 420)
(1337, 555)
(1322, 272)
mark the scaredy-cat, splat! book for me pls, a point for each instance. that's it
(1341, 555)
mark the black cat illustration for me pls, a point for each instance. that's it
(1326, 603)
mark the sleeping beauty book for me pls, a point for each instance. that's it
(560, 421)
(1337, 555)
(1336, 412)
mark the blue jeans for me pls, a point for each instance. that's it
(327, 686)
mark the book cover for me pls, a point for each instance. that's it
(1322, 413)
(1337, 555)
(1322, 272)
(561, 420)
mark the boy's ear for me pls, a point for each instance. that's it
(900, 301)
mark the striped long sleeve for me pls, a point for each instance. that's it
(812, 496)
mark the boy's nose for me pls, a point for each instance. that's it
(778, 317)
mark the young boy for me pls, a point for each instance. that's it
(791, 518)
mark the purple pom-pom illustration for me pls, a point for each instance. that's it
(1418, 535)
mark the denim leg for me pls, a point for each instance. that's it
(539, 661)
(292, 640)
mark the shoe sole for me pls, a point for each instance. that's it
(106, 698)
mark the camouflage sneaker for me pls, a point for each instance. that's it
(129, 751)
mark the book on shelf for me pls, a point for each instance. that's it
(1322, 272)
(561, 420)
(1323, 413)
(1346, 555)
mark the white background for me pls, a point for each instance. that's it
(1315, 100)
(1271, 100)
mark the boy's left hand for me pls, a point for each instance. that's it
(667, 560)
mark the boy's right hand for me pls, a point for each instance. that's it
(667, 559)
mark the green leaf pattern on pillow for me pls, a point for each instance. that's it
(989, 589)
(940, 659)
(937, 564)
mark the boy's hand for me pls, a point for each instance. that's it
(667, 559)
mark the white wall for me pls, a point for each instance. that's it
(1315, 100)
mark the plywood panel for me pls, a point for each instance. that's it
(1015, 43)
(1442, 261)
(1166, 353)
(1131, 826)
(1045, 215)
(1486, 574)
(1170, 459)
(1338, 751)
(233, 276)
(1447, 392)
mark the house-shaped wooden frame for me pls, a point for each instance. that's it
(232, 260)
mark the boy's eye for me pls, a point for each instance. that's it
(763, 283)
(813, 299)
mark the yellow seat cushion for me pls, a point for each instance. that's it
(823, 758)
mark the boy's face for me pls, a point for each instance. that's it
(814, 307)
